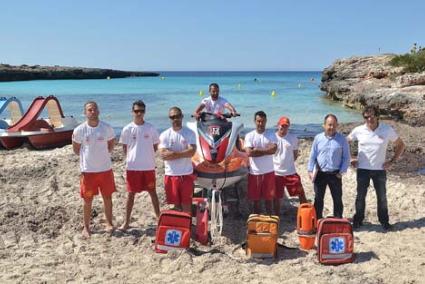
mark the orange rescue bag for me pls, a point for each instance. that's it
(262, 234)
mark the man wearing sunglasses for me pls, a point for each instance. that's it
(177, 145)
(373, 138)
(140, 142)
(284, 165)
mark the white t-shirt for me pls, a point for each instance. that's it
(140, 151)
(283, 159)
(264, 164)
(372, 145)
(216, 106)
(177, 141)
(94, 154)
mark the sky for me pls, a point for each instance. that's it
(189, 35)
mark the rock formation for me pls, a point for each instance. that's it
(360, 81)
(37, 72)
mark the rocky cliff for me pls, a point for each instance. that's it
(360, 81)
(37, 72)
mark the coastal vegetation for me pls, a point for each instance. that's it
(412, 62)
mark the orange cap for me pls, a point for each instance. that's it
(283, 121)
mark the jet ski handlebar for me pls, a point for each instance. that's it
(206, 115)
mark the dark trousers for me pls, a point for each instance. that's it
(379, 178)
(330, 179)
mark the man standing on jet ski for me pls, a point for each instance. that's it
(214, 103)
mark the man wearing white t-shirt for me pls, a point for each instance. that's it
(373, 138)
(140, 142)
(214, 103)
(260, 145)
(284, 165)
(177, 145)
(93, 141)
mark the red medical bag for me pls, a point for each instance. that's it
(173, 231)
(335, 241)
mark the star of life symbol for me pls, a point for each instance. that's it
(173, 237)
(336, 245)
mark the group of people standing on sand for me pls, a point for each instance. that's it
(272, 156)
(94, 141)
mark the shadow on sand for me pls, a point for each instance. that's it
(399, 226)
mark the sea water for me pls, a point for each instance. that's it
(293, 94)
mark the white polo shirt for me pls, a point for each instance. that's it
(177, 141)
(372, 145)
(283, 159)
(216, 106)
(140, 141)
(264, 164)
(94, 154)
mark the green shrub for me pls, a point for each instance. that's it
(411, 62)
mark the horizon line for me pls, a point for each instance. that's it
(234, 71)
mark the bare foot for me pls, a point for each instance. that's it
(86, 233)
(109, 228)
(124, 227)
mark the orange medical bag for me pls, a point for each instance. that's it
(262, 234)
(335, 241)
(173, 231)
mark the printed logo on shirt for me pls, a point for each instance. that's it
(146, 135)
(100, 138)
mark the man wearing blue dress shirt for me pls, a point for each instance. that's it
(330, 155)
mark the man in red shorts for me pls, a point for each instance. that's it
(260, 145)
(140, 142)
(93, 141)
(284, 165)
(176, 147)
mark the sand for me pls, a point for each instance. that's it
(40, 230)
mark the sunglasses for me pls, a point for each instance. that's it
(368, 116)
(177, 116)
(138, 110)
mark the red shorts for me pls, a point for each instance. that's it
(138, 181)
(178, 189)
(91, 183)
(261, 186)
(291, 182)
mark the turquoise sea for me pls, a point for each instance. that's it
(297, 95)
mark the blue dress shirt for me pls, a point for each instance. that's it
(331, 153)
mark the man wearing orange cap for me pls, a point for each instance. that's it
(284, 165)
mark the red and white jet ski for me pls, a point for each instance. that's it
(218, 162)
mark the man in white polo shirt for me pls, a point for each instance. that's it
(177, 145)
(373, 138)
(93, 141)
(260, 145)
(214, 103)
(140, 142)
(284, 165)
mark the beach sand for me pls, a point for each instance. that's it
(41, 223)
